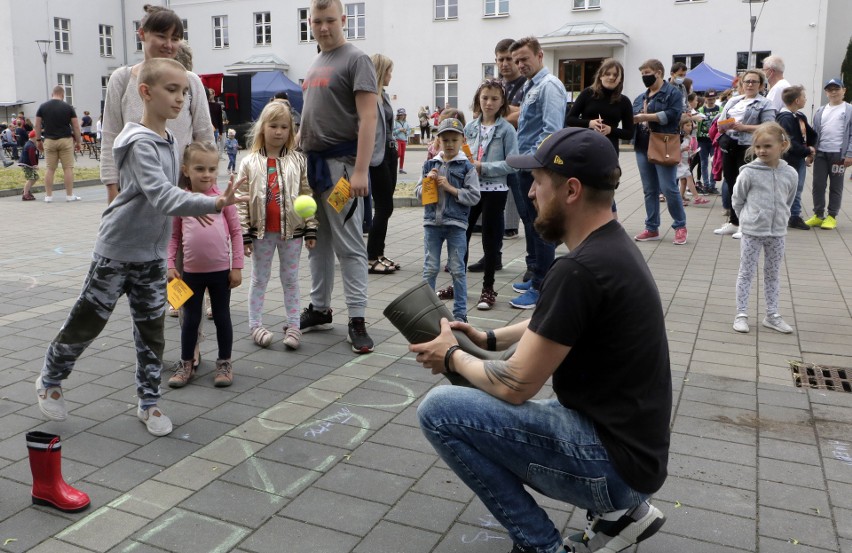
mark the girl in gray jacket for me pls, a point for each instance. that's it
(762, 197)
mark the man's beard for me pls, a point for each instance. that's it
(550, 222)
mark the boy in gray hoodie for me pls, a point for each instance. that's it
(130, 251)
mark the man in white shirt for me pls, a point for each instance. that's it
(773, 66)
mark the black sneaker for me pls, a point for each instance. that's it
(797, 223)
(312, 319)
(637, 524)
(358, 337)
(479, 266)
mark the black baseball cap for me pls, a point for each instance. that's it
(574, 152)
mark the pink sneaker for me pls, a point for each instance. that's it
(647, 236)
(680, 236)
(700, 201)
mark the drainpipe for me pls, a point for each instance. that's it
(124, 31)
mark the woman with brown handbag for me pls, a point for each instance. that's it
(656, 113)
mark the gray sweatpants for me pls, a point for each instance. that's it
(344, 240)
(107, 280)
(828, 167)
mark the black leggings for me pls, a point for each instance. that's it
(732, 160)
(425, 133)
(383, 184)
(220, 301)
(491, 207)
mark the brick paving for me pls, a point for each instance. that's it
(318, 449)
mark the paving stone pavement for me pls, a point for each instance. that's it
(318, 449)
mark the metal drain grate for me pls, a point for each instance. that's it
(821, 377)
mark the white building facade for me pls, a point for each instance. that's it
(441, 48)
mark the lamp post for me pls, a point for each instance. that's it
(43, 46)
(753, 24)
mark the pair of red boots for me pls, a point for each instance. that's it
(49, 488)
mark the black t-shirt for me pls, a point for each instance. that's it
(515, 91)
(601, 300)
(56, 117)
(216, 116)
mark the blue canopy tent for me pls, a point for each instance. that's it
(264, 85)
(705, 77)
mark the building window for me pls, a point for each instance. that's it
(66, 81)
(756, 60)
(305, 34)
(105, 40)
(262, 28)
(136, 36)
(356, 21)
(691, 60)
(447, 85)
(446, 9)
(489, 71)
(104, 84)
(62, 34)
(587, 4)
(185, 29)
(496, 8)
(220, 31)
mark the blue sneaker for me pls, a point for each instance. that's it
(521, 287)
(527, 300)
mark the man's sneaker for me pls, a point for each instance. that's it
(775, 322)
(814, 221)
(292, 337)
(830, 223)
(73, 198)
(712, 191)
(727, 228)
(224, 373)
(487, 299)
(797, 222)
(521, 287)
(510, 234)
(680, 236)
(610, 536)
(313, 319)
(48, 199)
(184, 371)
(741, 323)
(527, 300)
(155, 420)
(479, 266)
(358, 337)
(647, 236)
(50, 401)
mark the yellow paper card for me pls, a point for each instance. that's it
(178, 293)
(340, 195)
(429, 191)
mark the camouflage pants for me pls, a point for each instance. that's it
(145, 286)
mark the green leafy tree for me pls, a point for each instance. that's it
(846, 72)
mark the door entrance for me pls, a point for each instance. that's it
(577, 75)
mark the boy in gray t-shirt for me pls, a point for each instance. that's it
(338, 134)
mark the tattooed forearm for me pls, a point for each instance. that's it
(500, 371)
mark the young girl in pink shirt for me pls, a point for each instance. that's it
(212, 261)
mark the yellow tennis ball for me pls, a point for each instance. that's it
(305, 206)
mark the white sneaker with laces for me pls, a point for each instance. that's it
(73, 198)
(775, 322)
(737, 235)
(612, 532)
(741, 323)
(51, 401)
(727, 228)
(155, 420)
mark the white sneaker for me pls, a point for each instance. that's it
(292, 337)
(173, 312)
(775, 322)
(50, 401)
(727, 228)
(73, 198)
(155, 420)
(741, 323)
(48, 199)
(737, 235)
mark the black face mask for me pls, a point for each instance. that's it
(648, 80)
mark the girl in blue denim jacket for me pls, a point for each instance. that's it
(492, 139)
(446, 220)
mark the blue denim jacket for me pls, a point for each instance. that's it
(450, 210)
(667, 103)
(504, 143)
(760, 111)
(542, 111)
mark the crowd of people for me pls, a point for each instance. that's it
(602, 444)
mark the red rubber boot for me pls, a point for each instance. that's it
(49, 488)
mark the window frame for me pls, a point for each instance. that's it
(353, 19)
(497, 11)
(185, 30)
(587, 5)
(105, 40)
(494, 73)
(136, 26)
(104, 87)
(306, 35)
(445, 6)
(263, 29)
(688, 59)
(759, 56)
(68, 86)
(220, 23)
(446, 82)
(61, 46)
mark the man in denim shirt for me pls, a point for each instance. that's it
(542, 114)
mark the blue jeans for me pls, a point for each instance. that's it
(705, 148)
(542, 252)
(496, 448)
(514, 183)
(802, 169)
(656, 180)
(456, 239)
